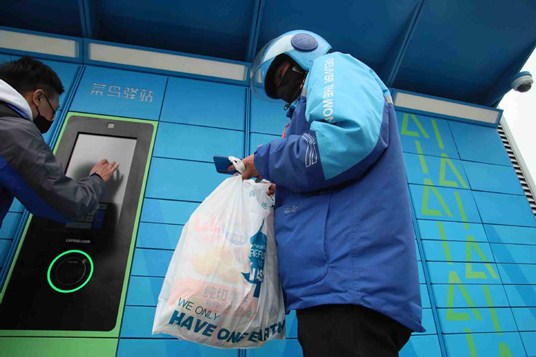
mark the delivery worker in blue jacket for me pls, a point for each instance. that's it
(343, 227)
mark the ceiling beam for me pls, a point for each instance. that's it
(389, 70)
(255, 30)
(87, 18)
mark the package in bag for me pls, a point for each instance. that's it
(222, 286)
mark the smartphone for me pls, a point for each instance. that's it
(222, 163)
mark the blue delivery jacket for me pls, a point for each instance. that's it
(342, 218)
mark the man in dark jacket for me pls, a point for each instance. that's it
(29, 99)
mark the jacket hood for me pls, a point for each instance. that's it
(10, 96)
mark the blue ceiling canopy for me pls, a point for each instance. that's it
(456, 49)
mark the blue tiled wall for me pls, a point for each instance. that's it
(476, 233)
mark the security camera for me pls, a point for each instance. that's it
(522, 82)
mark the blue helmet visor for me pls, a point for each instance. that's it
(264, 59)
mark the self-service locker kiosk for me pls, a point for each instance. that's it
(72, 277)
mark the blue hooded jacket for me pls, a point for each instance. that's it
(342, 218)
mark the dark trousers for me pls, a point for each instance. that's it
(349, 330)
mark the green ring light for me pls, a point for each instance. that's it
(83, 284)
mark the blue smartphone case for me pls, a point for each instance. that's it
(222, 163)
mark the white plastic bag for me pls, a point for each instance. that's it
(222, 286)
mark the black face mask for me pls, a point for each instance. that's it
(290, 86)
(42, 123)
